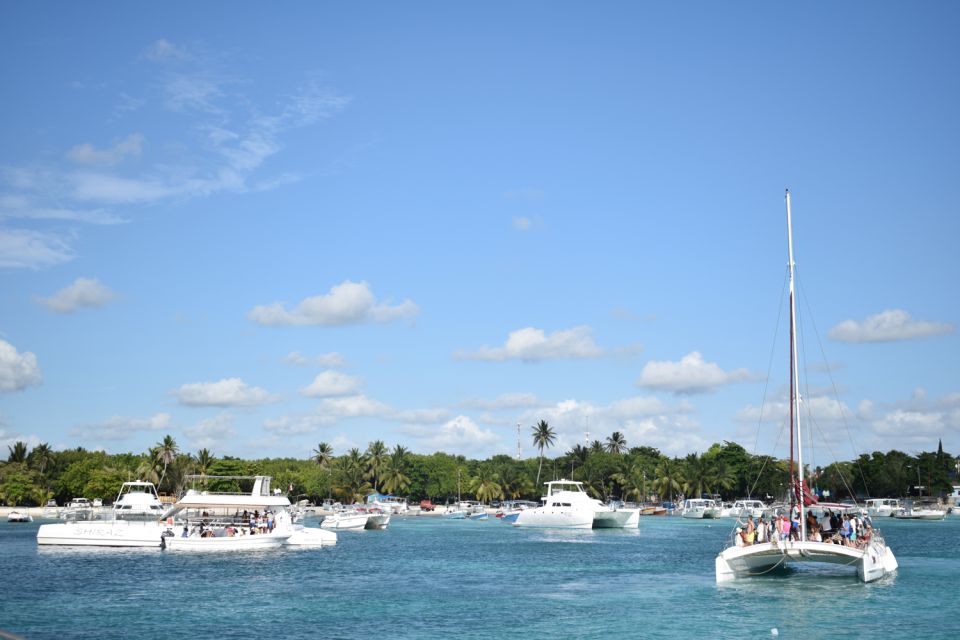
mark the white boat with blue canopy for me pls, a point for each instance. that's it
(872, 559)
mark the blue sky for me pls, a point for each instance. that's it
(257, 228)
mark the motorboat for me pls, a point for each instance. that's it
(744, 508)
(700, 508)
(872, 559)
(389, 504)
(510, 509)
(19, 516)
(568, 506)
(882, 507)
(345, 520)
(78, 509)
(212, 520)
(911, 511)
(138, 501)
(377, 519)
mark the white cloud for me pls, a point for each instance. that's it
(17, 370)
(9, 438)
(646, 421)
(331, 383)
(215, 433)
(19, 206)
(332, 360)
(28, 249)
(129, 147)
(532, 345)
(346, 303)
(503, 401)
(84, 292)
(229, 392)
(297, 425)
(354, 406)
(888, 326)
(422, 416)
(457, 436)
(121, 427)
(690, 375)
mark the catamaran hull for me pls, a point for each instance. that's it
(103, 534)
(311, 537)
(872, 563)
(227, 543)
(613, 519)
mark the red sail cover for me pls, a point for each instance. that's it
(808, 498)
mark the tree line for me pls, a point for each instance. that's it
(609, 469)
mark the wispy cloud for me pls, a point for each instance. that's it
(690, 375)
(121, 427)
(503, 401)
(87, 154)
(888, 326)
(17, 370)
(297, 425)
(460, 435)
(332, 360)
(216, 433)
(346, 303)
(199, 105)
(229, 392)
(84, 292)
(28, 249)
(533, 345)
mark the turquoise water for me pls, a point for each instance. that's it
(429, 577)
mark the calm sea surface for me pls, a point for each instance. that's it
(429, 577)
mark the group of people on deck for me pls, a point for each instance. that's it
(847, 529)
(247, 522)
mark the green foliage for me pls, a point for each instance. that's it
(640, 473)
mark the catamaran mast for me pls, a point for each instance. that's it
(798, 492)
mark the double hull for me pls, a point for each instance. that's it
(872, 562)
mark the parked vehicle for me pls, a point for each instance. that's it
(426, 505)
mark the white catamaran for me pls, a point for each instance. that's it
(873, 560)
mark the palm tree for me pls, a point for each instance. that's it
(669, 478)
(376, 460)
(351, 484)
(18, 452)
(543, 438)
(616, 443)
(698, 475)
(41, 456)
(395, 480)
(204, 461)
(323, 455)
(149, 465)
(633, 482)
(167, 451)
(597, 447)
(486, 485)
(578, 454)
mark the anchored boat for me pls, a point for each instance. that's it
(872, 559)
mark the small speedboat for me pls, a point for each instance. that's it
(19, 516)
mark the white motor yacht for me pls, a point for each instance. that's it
(568, 506)
(882, 507)
(138, 501)
(700, 508)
